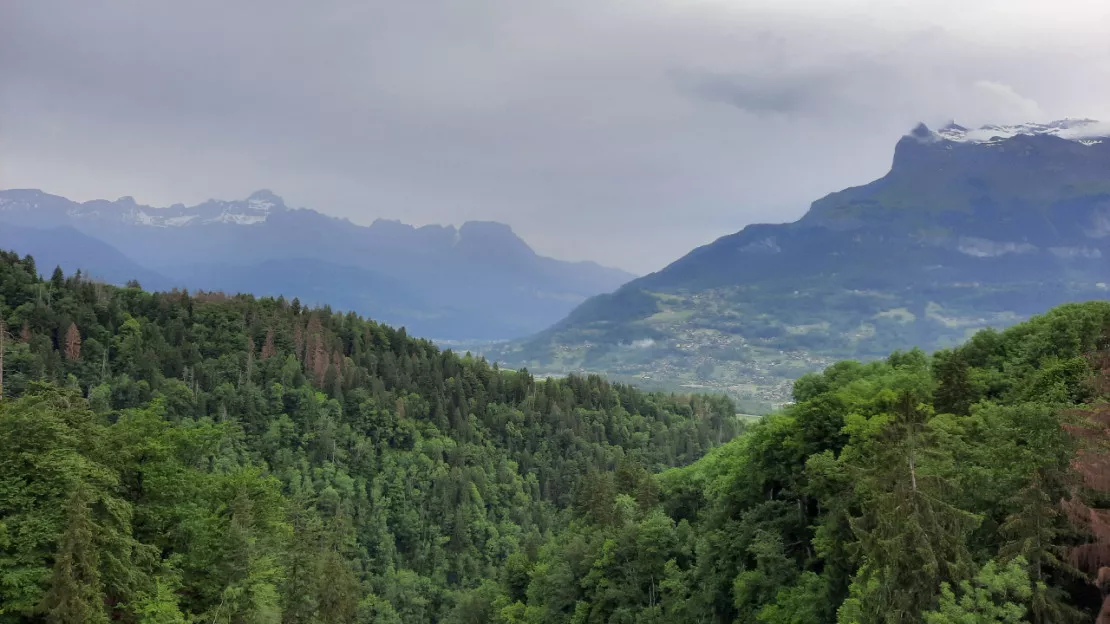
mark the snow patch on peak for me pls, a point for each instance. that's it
(250, 211)
(237, 218)
(261, 205)
(179, 221)
(1084, 131)
(264, 201)
(244, 212)
(141, 217)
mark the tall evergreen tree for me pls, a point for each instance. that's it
(76, 594)
(911, 538)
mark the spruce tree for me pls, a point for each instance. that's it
(911, 538)
(76, 594)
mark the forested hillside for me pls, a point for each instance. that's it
(966, 487)
(174, 457)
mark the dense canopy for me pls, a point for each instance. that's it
(176, 457)
(171, 457)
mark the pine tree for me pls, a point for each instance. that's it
(302, 579)
(1092, 462)
(338, 593)
(76, 592)
(3, 338)
(58, 278)
(250, 357)
(1089, 427)
(997, 595)
(268, 345)
(910, 537)
(73, 343)
(337, 362)
(316, 356)
(315, 327)
(298, 339)
(319, 363)
(954, 393)
(1031, 534)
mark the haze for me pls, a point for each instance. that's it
(617, 131)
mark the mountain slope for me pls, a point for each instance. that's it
(72, 250)
(760, 530)
(963, 232)
(319, 283)
(242, 459)
(481, 280)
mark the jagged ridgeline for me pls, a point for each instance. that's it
(172, 457)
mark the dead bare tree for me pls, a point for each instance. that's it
(268, 345)
(298, 340)
(1090, 428)
(250, 357)
(3, 338)
(73, 343)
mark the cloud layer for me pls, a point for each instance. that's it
(624, 132)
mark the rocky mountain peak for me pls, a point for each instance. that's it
(264, 199)
(1083, 131)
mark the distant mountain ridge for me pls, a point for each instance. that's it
(970, 228)
(476, 281)
(70, 249)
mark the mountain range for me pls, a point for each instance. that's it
(479, 281)
(970, 228)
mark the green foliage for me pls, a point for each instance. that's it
(76, 591)
(915, 489)
(797, 604)
(994, 596)
(231, 459)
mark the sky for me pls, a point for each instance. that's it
(622, 131)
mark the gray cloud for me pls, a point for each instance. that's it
(626, 132)
(805, 93)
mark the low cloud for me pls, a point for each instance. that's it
(786, 95)
(1007, 103)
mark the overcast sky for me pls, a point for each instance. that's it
(622, 131)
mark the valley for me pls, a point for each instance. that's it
(710, 442)
(230, 455)
(690, 352)
(560, 312)
(969, 229)
(964, 233)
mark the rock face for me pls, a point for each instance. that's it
(477, 281)
(970, 228)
